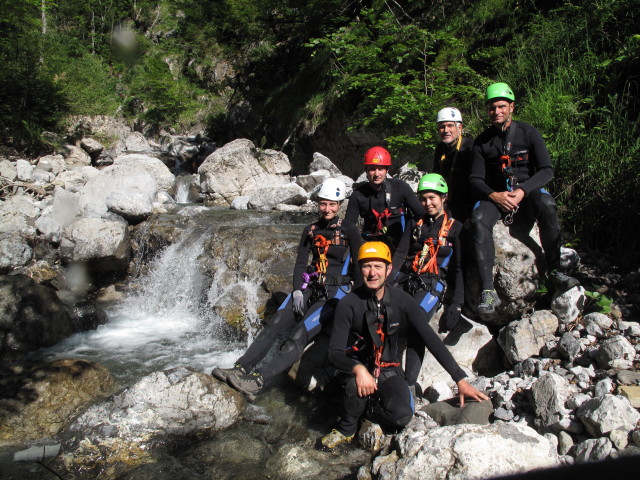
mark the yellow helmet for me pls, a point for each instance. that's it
(374, 250)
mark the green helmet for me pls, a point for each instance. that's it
(499, 90)
(432, 182)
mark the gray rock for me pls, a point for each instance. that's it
(630, 329)
(438, 391)
(619, 439)
(603, 414)
(577, 400)
(629, 377)
(592, 449)
(135, 142)
(102, 242)
(233, 170)
(52, 163)
(371, 437)
(14, 252)
(75, 156)
(8, 170)
(311, 182)
(569, 346)
(599, 319)
(524, 338)
(550, 392)
(241, 203)
(635, 436)
(320, 162)
(93, 147)
(175, 403)
(569, 259)
(603, 387)
(152, 166)
(74, 180)
(565, 443)
(568, 305)
(274, 162)
(24, 170)
(615, 348)
(469, 451)
(289, 194)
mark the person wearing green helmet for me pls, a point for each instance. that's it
(428, 264)
(510, 167)
(452, 160)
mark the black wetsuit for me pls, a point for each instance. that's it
(455, 166)
(395, 201)
(428, 289)
(531, 170)
(317, 313)
(354, 320)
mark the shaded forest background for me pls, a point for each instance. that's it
(338, 76)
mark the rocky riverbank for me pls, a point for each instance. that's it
(562, 370)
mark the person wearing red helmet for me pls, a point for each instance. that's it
(382, 202)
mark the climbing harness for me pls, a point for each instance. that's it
(426, 260)
(507, 162)
(375, 323)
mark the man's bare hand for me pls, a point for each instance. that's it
(507, 201)
(466, 390)
(364, 381)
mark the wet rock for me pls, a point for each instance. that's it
(120, 433)
(371, 437)
(615, 352)
(31, 316)
(568, 305)
(469, 451)
(609, 412)
(524, 338)
(101, 242)
(39, 400)
(293, 462)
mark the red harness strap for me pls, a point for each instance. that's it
(379, 219)
(426, 261)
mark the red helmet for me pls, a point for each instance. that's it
(377, 156)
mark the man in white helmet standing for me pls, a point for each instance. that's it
(452, 160)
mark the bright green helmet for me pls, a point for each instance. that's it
(499, 90)
(432, 182)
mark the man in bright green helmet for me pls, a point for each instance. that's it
(510, 167)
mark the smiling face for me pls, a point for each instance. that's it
(328, 209)
(500, 112)
(376, 175)
(449, 132)
(375, 273)
(432, 202)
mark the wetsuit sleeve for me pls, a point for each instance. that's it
(411, 200)
(355, 240)
(418, 319)
(401, 252)
(477, 176)
(353, 208)
(539, 155)
(342, 318)
(455, 282)
(302, 259)
(437, 155)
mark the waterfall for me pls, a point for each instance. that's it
(183, 184)
(166, 320)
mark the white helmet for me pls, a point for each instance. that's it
(332, 189)
(449, 114)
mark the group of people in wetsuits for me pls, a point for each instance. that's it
(374, 291)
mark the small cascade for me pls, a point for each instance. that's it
(166, 321)
(183, 186)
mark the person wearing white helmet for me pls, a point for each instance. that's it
(452, 160)
(317, 286)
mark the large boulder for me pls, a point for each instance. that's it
(236, 170)
(73, 180)
(289, 194)
(39, 400)
(603, 414)
(122, 432)
(549, 394)
(31, 316)
(14, 252)
(467, 452)
(103, 243)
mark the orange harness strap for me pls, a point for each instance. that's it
(426, 261)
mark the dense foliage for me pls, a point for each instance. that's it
(276, 70)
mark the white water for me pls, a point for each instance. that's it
(183, 182)
(167, 322)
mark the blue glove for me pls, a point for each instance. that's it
(298, 302)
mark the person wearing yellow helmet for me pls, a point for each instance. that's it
(452, 160)
(317, 286)
(378, 317)
(510, 167)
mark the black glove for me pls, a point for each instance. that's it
(450, 317)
